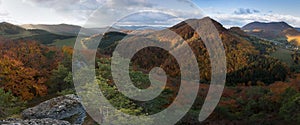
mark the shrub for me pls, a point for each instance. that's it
(290, 111)
(9, 104)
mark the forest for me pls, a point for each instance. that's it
(262, 87)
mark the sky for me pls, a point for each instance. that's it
(100, 13)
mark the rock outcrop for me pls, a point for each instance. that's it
(66, 108)
(46, 121)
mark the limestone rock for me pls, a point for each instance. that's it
(46, 121)
(66, 108)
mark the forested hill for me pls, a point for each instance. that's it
(14, 32)
(248, 57)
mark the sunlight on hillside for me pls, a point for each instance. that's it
(295, 39)
(256, 30)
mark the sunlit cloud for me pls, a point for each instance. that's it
(245, 11)
(79, 11)
(238, 19)
(112, 10)
(71, 8)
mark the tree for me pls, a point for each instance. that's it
(290, 111)
(57, 80)
(26, 66)
(9, 104)
(21, 81)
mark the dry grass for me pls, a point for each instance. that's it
(295, 39)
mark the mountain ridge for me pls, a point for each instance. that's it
(8, 28)
(15, 32)
(274, 31)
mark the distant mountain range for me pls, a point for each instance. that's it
(10, 29)
(15, 32)
(47, 34)
(275, 31)
(272, 26)
(141, 27)
(66, 29)
(63, 29)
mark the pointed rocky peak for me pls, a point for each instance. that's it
(184, 29)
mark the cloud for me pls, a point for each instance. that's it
(243, 16)
(129, 3)
(83, 8)
(3, 14)
(67, 5)
(79, 9)
(149, 19)
(109, 11)
(188, 2)
(229, 20)
(5, 17)
(142, 12)
(245, 11)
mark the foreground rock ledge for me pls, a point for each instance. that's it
(46, 121)
(66, 108)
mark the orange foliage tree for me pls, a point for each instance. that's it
(25, 66)
(19, 79)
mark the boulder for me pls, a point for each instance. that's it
(46, 121)
(66, 107)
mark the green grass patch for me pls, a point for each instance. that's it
(283, 55)
(18, 36)
(65, 42)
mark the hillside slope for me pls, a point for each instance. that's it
(245, 54)
(14, 32)
(66, 29)
(275, 31)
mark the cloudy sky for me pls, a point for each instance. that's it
(99, 13)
